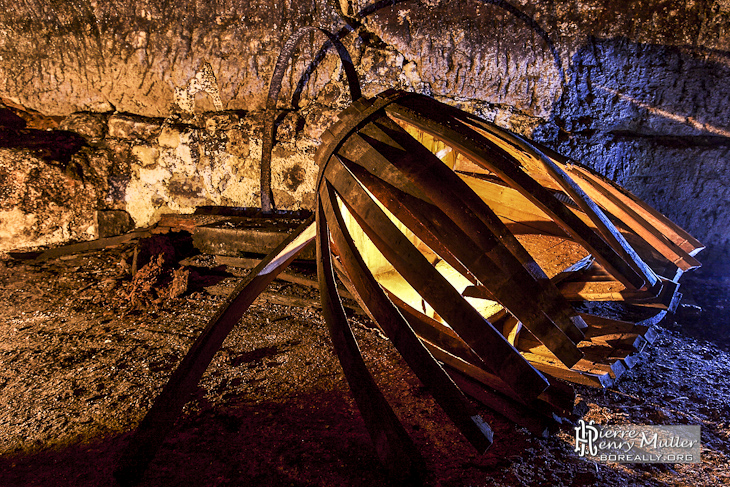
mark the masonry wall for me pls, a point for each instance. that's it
(636, 89)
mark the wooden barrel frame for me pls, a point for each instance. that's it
(473, 250)
(431, 211)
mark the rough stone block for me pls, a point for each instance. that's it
(111, 223)
(91, 126)
(131, 127)
(146, 155)
(169, 137)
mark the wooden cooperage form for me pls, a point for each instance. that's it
(487, 246)
(475, 251)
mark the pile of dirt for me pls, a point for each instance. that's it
(85, 347)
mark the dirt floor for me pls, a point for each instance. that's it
(85, 349)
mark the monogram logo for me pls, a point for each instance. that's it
(585, 438)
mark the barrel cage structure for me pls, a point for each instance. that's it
(488, 260)
(484, 257)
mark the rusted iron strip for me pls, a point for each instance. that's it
(426, 117)
(488, 343)
(443, 389)
(392, 444)
(267, 197)
(476, 220)
(167, 407)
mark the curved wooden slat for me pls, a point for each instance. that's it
(535, 161)
(430, 224)
(427, 118)
(650, 216)
(499, 356)
(161, 417)
(659, 233)
(426, 221)
(475, 219)
(447, 347)
(448, 396)
(392, 443)
(673, 252)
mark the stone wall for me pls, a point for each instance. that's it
(636, 89)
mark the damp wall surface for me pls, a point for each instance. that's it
(167, 99)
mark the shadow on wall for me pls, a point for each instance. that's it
(652, 117)
(655, 119)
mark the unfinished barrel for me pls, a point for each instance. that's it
(496, 253)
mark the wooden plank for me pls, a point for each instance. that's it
(487, 342)
(596, 358)
(435, 332)
(536, 162)
(478, 222)
(339, 136)
(662, 297)
(447, 395)
(587, 376)
(511, 329)
(558, 397)
(238, 236)
(553, 401)
(414, 213)
(392, 444)
(439, 232)
(599, 327)
(624, 341)
(426, 117)
(248, 263)
(504, 235)
(98, 244)
(601, 291)
(519, 414)
(175, 222)
(574, 270)
(160, 419)
(656, 239)
(652, 217)
(668, 228)
(508, 143)
(511, 206)
(345, 279)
